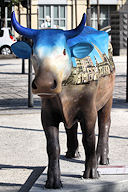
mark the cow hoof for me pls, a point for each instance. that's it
(103, 161)
(91, 174)
(55, 185)
(70, 154)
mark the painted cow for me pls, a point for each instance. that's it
(53, 54)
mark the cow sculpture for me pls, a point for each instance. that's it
(56, 55)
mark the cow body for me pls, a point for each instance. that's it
(53, 54)
(78, 103)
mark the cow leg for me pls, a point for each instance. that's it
(104, 122)
(53, 150)
(72, 142)
(51, 128)
(88, 130)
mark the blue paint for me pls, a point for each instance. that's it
(29, 33)
(22, 49)
(81, 50)
(92, 36)
(79, 43)
(49, 40)
(74, 32)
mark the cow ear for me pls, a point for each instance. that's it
(22, 49)
(81, 50)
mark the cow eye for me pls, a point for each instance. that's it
(64, 51)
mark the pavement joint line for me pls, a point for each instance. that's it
(32, 179)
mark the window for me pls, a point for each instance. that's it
(1, 33)
(5, 17)
(105, 12)
(8, 11)
(57, 14)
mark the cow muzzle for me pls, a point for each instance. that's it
(46, 85)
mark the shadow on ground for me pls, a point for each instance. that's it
(6, 104)
(120, 103)
(23, 103)
(60, 131)
(20, 128)
(73, 160)
(13, 187)
(6, 65)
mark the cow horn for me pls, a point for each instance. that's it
(74, 32)
(26, 32)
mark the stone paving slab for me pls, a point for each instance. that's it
(21, 151)
(72, 182)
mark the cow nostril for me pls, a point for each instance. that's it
(34, 85)
(54, 85)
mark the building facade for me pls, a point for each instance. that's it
(65, 14)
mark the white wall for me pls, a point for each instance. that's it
(51, 2)
(105, 2)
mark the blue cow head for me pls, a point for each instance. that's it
(51, 56)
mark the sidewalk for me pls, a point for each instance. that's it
(14, 88)
(23, 144)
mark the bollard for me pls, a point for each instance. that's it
(127, 75)
(23, 66)
(30, 95)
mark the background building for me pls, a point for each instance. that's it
(5, 13)
(66, 14)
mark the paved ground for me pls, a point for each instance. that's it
(23, 153)
(14, 87)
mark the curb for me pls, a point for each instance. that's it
(8, 56)
(74, 183)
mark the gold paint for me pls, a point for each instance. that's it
(86, 72)
(99, 52)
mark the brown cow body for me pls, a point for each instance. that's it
(78, 103)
